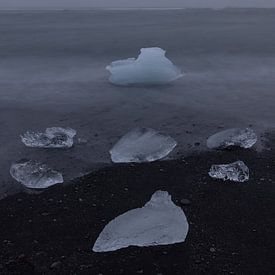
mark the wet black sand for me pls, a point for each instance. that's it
(231, 224)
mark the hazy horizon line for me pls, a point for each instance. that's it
(129, 8)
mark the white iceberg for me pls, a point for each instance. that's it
(54, 137)
(150, 68)
(34, 174)
(244, 138)
(142, 145)
(159, 222)
(236, 171)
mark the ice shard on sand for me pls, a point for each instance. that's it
(34, 174)
(236, 171)
(54, 137)
(142, 145)
(158, 222)
(244, 138)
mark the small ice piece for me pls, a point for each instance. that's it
(142, 145)
(159, 222)
(54, 137)
(236, 171)
(82, 141)
(150, 68)
(244, 138)
(34, 174)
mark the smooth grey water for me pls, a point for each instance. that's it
(52, 73)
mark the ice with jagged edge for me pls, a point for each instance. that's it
(244, 138)
(142, 145)
(34, 174)
(151, 67)
(54, 137)
(236, 171)
(158, 222)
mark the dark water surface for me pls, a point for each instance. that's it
(52, 73)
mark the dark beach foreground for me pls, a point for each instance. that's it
(231, 224)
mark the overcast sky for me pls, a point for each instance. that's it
(134, 3)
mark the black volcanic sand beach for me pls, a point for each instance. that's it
(231, 224)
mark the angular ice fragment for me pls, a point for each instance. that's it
(236, 171)
(244, 138)
(34, 174)
(151, 67)
(55, 137)
(159, 222)
(142, 145)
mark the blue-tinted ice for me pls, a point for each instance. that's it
(244, 138)
(142, 145)
(151, 67)
(158, 222)
(34, 174)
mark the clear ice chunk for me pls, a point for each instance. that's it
(150, 68)
(244, 138)
(34, 174)
(142, 145)
(54, 137)
(159, 222)
(236, 171)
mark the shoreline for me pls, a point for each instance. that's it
(57, 78)
(231, 224)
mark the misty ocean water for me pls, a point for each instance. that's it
(52, 74)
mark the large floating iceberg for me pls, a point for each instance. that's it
(236, 171)
(244, 138)
(159, 222)
(54, 137)
(34, 174)
(150, 68)
(142, 145)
